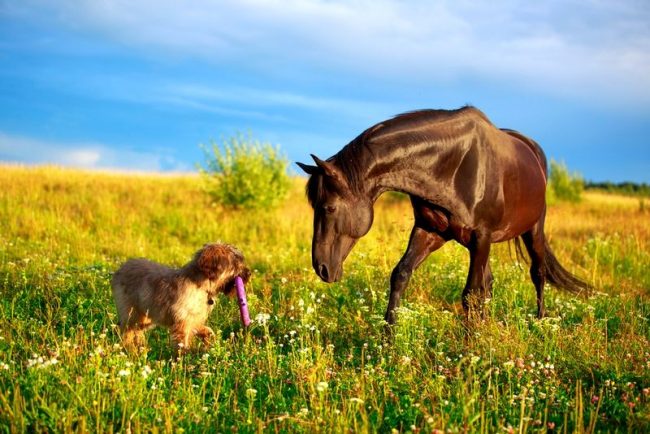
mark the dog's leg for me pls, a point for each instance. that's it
(181, 335)
(130, 337)
(206, 334)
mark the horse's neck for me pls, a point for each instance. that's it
(407, 181)
(394, 171)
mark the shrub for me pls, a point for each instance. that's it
(245, 173)
(564, 186)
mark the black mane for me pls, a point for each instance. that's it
(348, 159)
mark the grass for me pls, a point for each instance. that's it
(315, 358)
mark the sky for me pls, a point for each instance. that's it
(141, 84)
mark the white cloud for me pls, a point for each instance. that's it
(593, 49)
(84, 155)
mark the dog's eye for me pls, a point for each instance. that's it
(210, 301)
(330, 209)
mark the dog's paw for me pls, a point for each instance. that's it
(206, 334)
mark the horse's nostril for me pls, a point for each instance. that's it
(322, 271)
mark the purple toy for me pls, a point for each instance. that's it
(243, 306)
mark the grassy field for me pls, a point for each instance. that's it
(315, 358)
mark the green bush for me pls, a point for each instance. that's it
(245, 173)
(562, 185)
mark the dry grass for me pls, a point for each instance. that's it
(316, 359)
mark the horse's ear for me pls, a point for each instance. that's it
(309, 170)
(330, 170)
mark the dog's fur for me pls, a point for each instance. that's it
(147, 294)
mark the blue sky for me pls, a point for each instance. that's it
(138, 85)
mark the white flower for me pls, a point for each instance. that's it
(322, 386)
(262, 318)
(251, 393)
(124, 373)
(356, 400)
(146, 371)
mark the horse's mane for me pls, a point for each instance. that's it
(348, 159)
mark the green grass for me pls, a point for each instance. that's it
(320, 362)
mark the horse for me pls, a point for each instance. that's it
(467, 181)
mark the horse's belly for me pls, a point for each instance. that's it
(521, 213)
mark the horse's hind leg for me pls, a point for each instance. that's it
(534, 242)
(479, 278)
(421, 244)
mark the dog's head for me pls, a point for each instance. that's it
(221, 263)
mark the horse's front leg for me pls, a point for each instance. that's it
(421, 244)
(479, 278)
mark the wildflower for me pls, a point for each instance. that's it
(595, 399)
(321, 386)
(304, 411)
(146, 371)
(4, 366)
(356, 400)
(124, 373)
(509, 364)
(262, 318)
(251, 393)
(284, 280)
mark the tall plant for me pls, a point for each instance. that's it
(563, 185)
(245, 173)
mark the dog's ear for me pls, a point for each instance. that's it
(245, 275)
(212, 261)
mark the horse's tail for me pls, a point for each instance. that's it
(558, 276)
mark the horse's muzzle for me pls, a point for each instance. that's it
(326, 274)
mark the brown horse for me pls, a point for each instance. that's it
(467, 180)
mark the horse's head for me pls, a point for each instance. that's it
(341, 217)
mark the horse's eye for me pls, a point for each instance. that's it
(330, 209)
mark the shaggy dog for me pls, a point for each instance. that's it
(147, 294)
